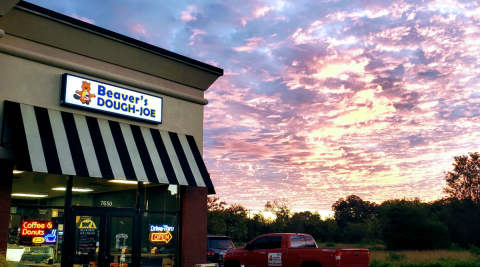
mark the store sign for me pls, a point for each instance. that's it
(98, 96)
(87, 240)
(161, 228)
(41, 232)
(35, 228)
(160, 237)
(119, 238)
(38, 240)
(87, 224)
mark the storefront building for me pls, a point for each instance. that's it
(101, 146)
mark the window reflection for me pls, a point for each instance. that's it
(38, 189)
(98, 192)
(161, 197)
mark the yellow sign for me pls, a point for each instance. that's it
(160, 237)
(87, 224)
(38, 240)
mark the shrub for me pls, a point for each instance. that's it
(455, 247)
(379, 263)
(371, 241)
(396, 257)
(475, 251)
(330, 244)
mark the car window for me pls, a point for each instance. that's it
(310, 242)
(261, 243)
(221, 243)
(276, 242)
(298, 241)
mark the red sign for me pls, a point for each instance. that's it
(160, 237)
(35, 228)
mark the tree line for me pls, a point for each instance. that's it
(399, 224)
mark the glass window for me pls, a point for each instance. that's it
(159, 239)
(261, 243)
(38, 189)
(276, 242)
(298, 242)
(219, 243)
(310, 242)
(35, 234)
(98, 192)
(161, 197)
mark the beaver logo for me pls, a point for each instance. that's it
(84, 96)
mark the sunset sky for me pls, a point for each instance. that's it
(321, 99)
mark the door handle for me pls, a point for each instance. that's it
(262, 253)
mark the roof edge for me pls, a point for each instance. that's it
(118, 37)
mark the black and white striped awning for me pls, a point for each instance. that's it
(57, 142)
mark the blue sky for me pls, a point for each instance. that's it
(321, 99)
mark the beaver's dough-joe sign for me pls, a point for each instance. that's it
(94, 95)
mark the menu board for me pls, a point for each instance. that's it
(87, 240)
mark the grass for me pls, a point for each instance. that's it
(379, 257)
(422, 256)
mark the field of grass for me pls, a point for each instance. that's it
(421, 256)
(379, 257)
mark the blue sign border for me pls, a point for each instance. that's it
(63, 103)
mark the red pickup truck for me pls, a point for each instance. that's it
(293, 250)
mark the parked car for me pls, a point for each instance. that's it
(293, 250)
(217, 246)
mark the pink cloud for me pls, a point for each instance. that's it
(138, 28)
(261, 11)
(197, 32)
(212, 62)
(84, 19)
(252, 44)
(188, 15)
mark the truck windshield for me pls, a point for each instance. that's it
(221, 243)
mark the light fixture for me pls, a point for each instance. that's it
(73, 189)
(122, 181)
(27, 195)
(17, 172)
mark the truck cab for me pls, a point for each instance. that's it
(293, 250)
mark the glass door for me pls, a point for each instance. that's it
(103, 237)
(121, 236)
(89, 238)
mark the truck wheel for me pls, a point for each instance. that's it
(232, 264)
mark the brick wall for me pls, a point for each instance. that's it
(6, 178)
(194, 226)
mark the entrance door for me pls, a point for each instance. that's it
(99, 236)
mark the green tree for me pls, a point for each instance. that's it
(463, 182)
(236, 220)
(406, 224)
(214, 203)
(331, 230)
(216, 222)
(462, 217)
(257, 225)
(352, 210)
(281, 207)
